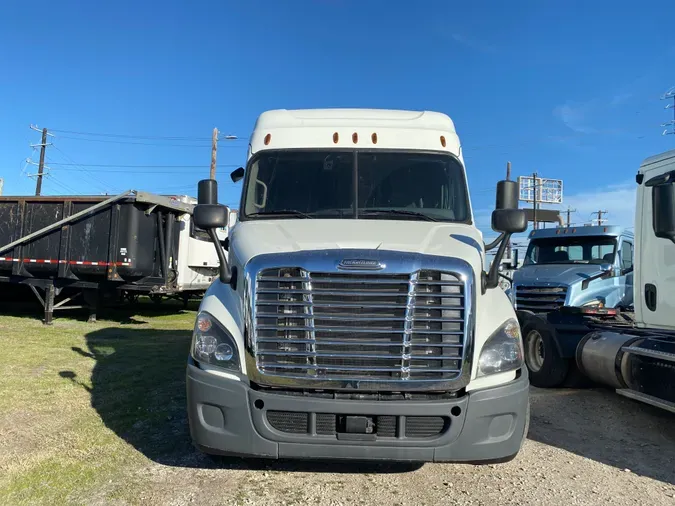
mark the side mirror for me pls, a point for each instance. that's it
(210, 216)
(509, 221)
(663, 210)
(607, 272)
(507, 195)
(608, 269)
(237, 175)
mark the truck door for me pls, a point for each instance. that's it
(655, 256)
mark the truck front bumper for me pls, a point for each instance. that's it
(228, 417)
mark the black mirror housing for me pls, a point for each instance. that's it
(509, 221)
(237, 175)
(211, 216)
(507, 195)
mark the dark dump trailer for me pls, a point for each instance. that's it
(92, 247)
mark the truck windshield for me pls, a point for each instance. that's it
(565, 250)
(389, 185)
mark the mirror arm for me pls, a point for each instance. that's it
(494, 243)
(587, 281)
(492, 280)
(224, 267)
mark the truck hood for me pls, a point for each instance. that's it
(253, 238)
(556, 274)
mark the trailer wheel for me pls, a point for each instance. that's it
(546, 367)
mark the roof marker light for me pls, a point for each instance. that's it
(336, 138)
(443, 140)
(268, 138)
(355, 137)
(374, 138)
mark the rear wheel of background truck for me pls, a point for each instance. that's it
(546, 367)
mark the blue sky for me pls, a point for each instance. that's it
(569, 90)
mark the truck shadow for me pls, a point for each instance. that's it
(602, 426)
(138, 390)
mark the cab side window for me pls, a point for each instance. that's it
(626, 255)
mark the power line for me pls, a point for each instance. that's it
(111, 141)
(229, 137)
(100, 182)
(158, 166)
(128, 136)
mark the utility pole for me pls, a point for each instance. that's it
(600, 213)
(508, 178)
(214, 150)
(41, 167)
(569, 214)
(534, 210)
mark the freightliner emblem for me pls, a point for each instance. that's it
(358, 264)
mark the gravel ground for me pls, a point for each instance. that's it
(87, 419)
(584, 447)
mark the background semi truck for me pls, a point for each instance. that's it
(353, 318)
(587, 267)
(629, 348)
(637, 357)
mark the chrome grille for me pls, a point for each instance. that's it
(359, 326)
(540, 298)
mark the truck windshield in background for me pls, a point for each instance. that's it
(571, 250)
(321, 184)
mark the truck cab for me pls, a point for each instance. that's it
(352, 317)
(589, 266)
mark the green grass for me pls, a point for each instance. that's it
(84, 406)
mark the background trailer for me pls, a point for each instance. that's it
(98, 247)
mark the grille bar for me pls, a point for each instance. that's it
(335, 342)
(540, 298)
(358, 368)
(356, 326)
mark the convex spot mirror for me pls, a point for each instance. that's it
(237, 175)
(509, 221)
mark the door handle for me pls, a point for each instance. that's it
(650, 296)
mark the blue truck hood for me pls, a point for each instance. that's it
(556, 274)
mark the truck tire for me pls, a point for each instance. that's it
(546, 367)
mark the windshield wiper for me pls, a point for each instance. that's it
(282, 213)
(402, 212)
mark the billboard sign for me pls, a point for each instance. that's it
(549, 191)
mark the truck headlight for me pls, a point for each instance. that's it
(597, 303)
(212, 344)
(503, 351)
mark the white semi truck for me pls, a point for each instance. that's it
(634, 352)
(353, 318)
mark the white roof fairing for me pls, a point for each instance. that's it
(393, 129)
